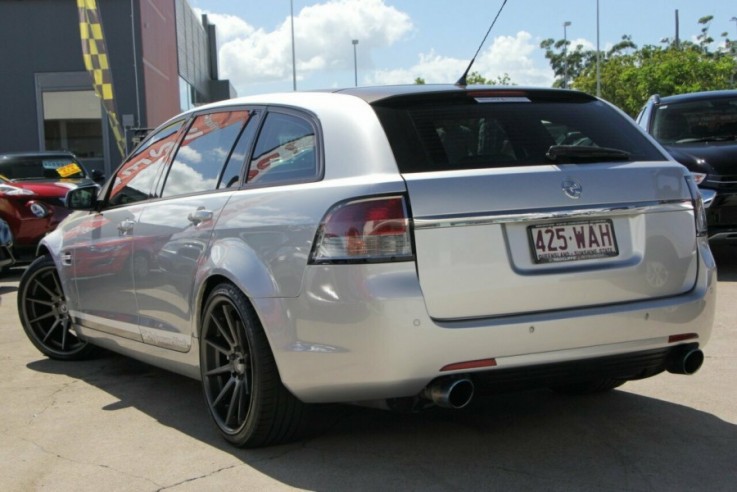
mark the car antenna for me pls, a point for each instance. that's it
(462, 81)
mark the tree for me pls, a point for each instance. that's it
(629, 76)
(420, 81)
(475, 78)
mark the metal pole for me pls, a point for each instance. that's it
(355, 63)
(565, 54)
(598, 55)
(294, 59)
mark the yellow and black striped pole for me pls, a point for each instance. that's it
(94, 52)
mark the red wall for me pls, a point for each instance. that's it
(160, 71)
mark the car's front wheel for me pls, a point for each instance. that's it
(240, 380)
(44, 314)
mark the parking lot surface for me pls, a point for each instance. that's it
(116, 424)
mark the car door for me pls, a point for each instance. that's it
(100, 252)
(175, 231)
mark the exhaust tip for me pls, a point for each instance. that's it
(687, 361)
(450, 393)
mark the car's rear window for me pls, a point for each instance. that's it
(41, 167)
(482, 132)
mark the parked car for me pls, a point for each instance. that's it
(6, 247)
(393, 246)
(700, 131)
(32, 190)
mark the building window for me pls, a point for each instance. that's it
(73, 121)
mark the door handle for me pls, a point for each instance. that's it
(200, 215)
(126, 227)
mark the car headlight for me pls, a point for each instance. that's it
(6, 189)
(698, 178)
(38, 209)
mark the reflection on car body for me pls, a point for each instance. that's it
(394, 246)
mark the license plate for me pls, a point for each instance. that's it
(573, 241)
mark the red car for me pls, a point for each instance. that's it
(32, 191)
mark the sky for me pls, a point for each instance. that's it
(400, 40)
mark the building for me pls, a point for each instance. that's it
(163, 60)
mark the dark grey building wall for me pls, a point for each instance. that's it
(42, 37)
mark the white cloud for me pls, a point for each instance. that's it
(323, 34)
(510, 55)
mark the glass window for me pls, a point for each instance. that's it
(696, 121)
(203, 152)
(136, 177)
(232, 174)
(285, 151)
(463, 133)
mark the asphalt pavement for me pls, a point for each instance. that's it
(115, 424)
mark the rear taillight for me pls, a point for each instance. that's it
(366, 230)
(699, 209)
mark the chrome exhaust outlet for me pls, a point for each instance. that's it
(686, 361)
(450, 392)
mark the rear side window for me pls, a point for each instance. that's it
(285, 151)
(203, 152)
(467, 133)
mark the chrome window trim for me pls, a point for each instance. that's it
(517, 216)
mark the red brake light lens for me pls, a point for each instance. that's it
(367, 230)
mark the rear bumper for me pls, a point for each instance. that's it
(362, 332)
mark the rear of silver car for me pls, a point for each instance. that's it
(541, 240)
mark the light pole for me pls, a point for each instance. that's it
(565, 53)
(598, 73)
(355, 63)
(734, 19)
(294, 60)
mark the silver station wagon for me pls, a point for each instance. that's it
(393, 246)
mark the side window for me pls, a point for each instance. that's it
(232, 173)
(135, 178)
(285, 151)
(203, 152)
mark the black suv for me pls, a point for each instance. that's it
(700, 131)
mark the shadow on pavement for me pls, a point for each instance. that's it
(540, 440)
(725, 255)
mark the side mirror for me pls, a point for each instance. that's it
(83, 198)
(97, 176)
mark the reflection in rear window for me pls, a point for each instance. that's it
(468, 134)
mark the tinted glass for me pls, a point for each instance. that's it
(232, 173)
(709, 119)
(285, 151)
(467, 133)
(135, 179)
(41, 167)
(203, 152)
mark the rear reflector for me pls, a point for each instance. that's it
(366, 230)
(682, 337)
(470, 364)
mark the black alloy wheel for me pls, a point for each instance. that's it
(240, 380)
(44, 314)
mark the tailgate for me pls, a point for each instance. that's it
(508, 241)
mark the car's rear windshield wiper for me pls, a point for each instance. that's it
(583, 153)
(713, 138)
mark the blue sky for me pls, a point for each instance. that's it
(399, 40)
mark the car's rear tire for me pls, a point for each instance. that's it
(242, 388)
(43, 311)
(590, 387)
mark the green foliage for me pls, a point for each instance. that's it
(420, 81)
(629, 76)
(475, 78)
